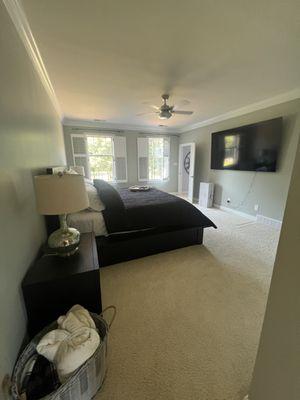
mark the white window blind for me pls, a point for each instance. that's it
(103, 157)
(166, 160)
(79, 151)
(120, 158)
(153, 158)
(142, 159)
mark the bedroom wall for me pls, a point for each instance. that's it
(245, 189)
(131, 145)
(31, 139)
(276, 372)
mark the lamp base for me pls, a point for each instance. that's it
(64, 241)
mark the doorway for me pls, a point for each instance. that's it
(186, 168)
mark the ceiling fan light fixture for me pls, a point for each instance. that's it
(165, 111)
(164, 114)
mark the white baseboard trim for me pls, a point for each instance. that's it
(237, 212)
(261, 219)
(269, 221)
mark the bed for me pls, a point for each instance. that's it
(136, 224)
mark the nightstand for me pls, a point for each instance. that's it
(54, 284)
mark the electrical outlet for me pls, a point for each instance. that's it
(256, 207)
(228, 200)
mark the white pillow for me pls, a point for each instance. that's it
(88, 181)
(94, 199)
(71, 171)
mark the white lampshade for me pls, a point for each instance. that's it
(60, 194)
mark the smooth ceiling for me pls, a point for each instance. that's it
(106, 58)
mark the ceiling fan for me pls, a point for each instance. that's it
(165, 111)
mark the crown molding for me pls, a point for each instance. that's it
(84, 123)
(272, 101)
(260, 105)
(19, 19)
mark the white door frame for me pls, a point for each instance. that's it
(191, 174)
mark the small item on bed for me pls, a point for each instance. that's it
(139, 188)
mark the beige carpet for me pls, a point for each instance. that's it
(189, 320)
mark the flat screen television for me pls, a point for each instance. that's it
(252, 147)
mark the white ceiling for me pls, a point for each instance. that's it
(105, 58)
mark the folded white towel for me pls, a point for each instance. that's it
(76, 317)
(69, 346)
(75, 350)
(50, 343)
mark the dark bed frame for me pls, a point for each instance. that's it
(117, 248)
(129, 246)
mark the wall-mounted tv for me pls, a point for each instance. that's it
(252, 147)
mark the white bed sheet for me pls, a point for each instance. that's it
(88, 221)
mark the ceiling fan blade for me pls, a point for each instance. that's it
(182, 112)
(147, 103)
(146, 113)
(182, 103)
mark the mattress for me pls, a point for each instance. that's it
(88, 221)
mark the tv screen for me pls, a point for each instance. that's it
(247, 148)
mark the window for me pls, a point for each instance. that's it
(103, 157)
(153, 158)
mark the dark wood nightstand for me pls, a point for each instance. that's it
(54, 284)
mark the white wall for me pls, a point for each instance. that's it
(31, 139)
(132, 164)
(277, 368)
(268, 189)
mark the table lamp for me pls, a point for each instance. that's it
(60, 195)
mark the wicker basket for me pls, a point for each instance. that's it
(87, 379)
